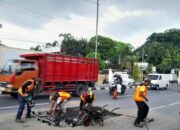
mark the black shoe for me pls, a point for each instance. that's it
(19, 121)
(29, 116)
(141, 124)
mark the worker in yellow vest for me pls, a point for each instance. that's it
(140, 96)
(25, 91)
(59, 99)
(86, 98)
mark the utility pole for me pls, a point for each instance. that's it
(97, 16)
(0, 28)
(143, 54)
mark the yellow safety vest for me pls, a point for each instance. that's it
(29, 88)
(90, 95)
(64, 95)
(137, 96)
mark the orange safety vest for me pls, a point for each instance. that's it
(137, 97)
(29, 88)
(64, 95)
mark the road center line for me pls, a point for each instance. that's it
(125, 95)
(10, 107)
(172, 104)
(154, 108)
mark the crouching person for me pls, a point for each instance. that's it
(86, 98)
(58, 101)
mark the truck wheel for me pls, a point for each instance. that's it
(14, 95)
(35, 93)
(79, 89)
(111, 92)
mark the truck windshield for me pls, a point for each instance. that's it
(153, 77)
(9, 67)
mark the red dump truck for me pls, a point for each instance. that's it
(55, 73)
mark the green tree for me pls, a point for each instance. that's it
(37, 48)
(105, 47)
(110, 50)
(149, 69)
(136, 73)
(166, 63)
(163, 50)
(72, 46)
(102, 63)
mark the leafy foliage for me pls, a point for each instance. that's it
(71, 46)
(102, 64)
(163, 50)
(136, 73)
(110, 50)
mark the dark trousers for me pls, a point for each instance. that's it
(21, 107)
(142, 113)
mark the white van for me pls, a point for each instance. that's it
(159, 81)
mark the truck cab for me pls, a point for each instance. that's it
(14, 73)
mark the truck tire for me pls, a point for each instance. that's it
(14, 95)
(111, 92)
(79, 89)
(35, 93)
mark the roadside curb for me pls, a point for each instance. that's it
(106, 87)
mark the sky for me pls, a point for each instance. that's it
(27, 23)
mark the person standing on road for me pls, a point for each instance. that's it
(140, 96)
(58, 99)
(24, 92)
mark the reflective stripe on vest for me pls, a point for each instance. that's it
(89, 96)
(137, 96)
(29, 88)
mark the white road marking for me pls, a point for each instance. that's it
(127, 95)
(172, 104)
(154, 108)
(160, 107)
(10, 107)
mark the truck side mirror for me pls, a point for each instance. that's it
(19, 71)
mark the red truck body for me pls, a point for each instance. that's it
(62, 72)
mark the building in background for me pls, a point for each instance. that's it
(55, 49)
(8, 53)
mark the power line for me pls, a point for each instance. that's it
(25, 9)
(97, 17)
(22, 40)
(35, 13)
(90, 1)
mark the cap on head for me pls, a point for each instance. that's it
(147, 80)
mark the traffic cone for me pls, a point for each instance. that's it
(115, 94)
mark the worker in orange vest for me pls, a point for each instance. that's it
(58, 99)
(25, 92)
(140, 96)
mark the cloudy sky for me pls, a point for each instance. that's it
(27, 23)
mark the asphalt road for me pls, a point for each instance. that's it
(164, 104)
